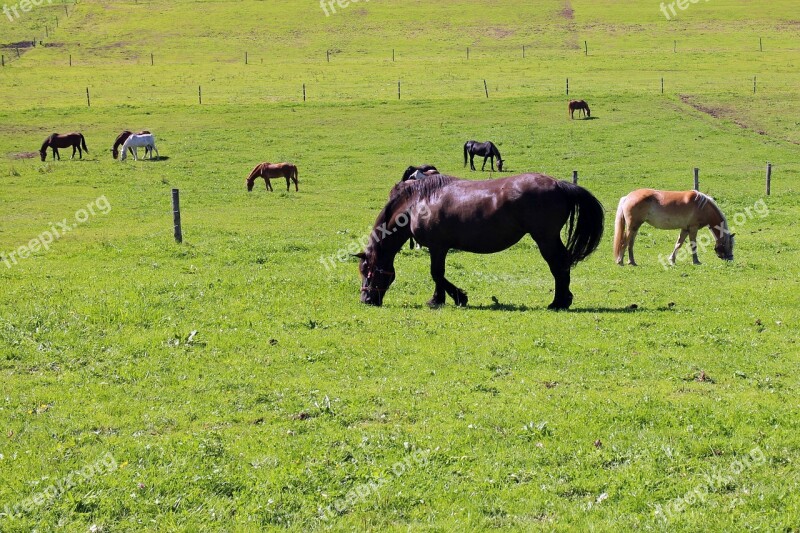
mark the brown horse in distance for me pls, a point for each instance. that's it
(579, 105)
(273, 170)
(57, 140)
(121, 138)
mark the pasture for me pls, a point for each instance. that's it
(235, 382)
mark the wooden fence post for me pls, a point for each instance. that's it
(769, 178)
(88, 102)
(304, 92)
(200, 95)
(176, 216)
(697, 179)
(486, 88)
(575, 177)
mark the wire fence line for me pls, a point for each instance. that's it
(250, 91)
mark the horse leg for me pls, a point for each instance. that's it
(632, 231)
(443, 286)
(73, 152)
(557, 257)
(483, 167)
(288, 180)
(472, 161)
(56, 154)
(681, 240)
(693, 242)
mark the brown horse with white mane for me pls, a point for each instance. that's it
(273, 170)
(579, 105)
(687, 211)
(445, 213)
(57, 140)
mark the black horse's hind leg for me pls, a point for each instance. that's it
(472, 161)
(555, 253)
(443, 286)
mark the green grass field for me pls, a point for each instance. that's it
(235, 383)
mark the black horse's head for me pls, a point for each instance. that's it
(115, 152)
(499, 165)
(375, 281)
(43, 153)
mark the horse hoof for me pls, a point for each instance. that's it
(435, 304)
(462, 299)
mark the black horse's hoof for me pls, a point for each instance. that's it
(461, 299)
(435, 304)
(561, 304)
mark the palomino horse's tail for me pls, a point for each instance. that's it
(83, 143)
(619, 231)
(585, 222)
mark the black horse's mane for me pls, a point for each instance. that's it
(419, 189)
(412, 190)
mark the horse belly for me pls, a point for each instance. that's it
(481, 230)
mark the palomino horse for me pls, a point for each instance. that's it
(56, 141)
(486, 150)
(418, 173)
(579, 105)
(446, 213)
(120, 140)
(273, 170)
(687, 211)
(134, 142)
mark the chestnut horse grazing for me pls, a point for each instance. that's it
(484, 217)
(120, 140)
(273, 170)
(687, 211)
(579, 105)
(56, 141)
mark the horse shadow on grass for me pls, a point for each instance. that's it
(517, 308)
(157, 158)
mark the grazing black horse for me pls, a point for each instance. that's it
(486, 150)
(57, 140)
(446, 213)
(415, 173)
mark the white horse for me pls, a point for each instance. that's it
(147, 141)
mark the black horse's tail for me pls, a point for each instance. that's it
(83, 143)
(586, 222)
(466, 148)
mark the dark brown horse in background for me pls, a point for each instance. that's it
(415, 173)
(122, 137)
(273, 170)
(445, 213)
(57, 140)
(486, 150)
(579, 105)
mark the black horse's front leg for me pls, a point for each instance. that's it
(442, 285)
(56, 154)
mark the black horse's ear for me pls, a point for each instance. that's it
(360, 255)
(733, 235)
